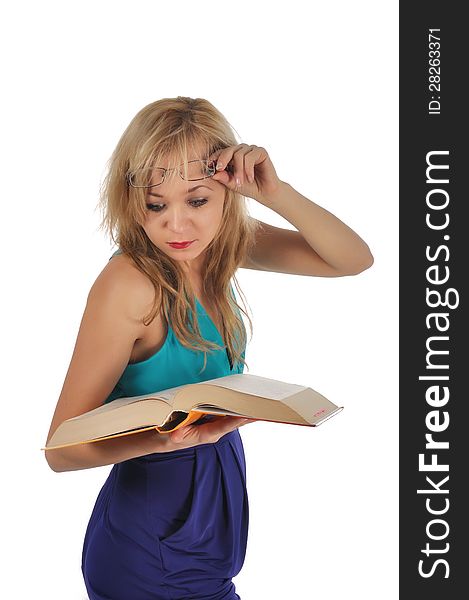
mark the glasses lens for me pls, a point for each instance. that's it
(198, 169)
(147, 178)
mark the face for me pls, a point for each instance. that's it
(179, 211)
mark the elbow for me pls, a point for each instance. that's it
(364, 264)
(360, 264)
(52, 464)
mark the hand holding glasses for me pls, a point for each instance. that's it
(249, 171)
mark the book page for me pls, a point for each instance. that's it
(168, 394)
(119, 403)
(258, 386)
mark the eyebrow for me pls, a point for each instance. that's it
(188, 191)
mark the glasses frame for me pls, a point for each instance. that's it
(210, 164)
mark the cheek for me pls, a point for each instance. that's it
(218, 207)
(210, 215)
(152, 229)
(216, 217)
(147, 224)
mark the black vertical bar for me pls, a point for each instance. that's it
(434, 257)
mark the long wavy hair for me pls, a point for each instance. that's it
(173, 128)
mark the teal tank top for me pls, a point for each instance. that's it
(173, 364)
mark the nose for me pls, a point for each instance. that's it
(176, 219)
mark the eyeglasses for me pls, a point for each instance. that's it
(151, 177)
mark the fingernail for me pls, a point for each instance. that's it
(238, 182)
(219, 166)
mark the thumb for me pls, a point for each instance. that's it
(222, 177)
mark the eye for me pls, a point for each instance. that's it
(154, 207)
(198, 202)
(195, 203)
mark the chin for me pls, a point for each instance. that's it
(182, 256)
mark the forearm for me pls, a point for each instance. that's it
(335, 242)
(106, 452)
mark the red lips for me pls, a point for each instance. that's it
(180, 244)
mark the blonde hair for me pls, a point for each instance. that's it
(176, 127)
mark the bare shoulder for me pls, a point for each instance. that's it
(122, 283)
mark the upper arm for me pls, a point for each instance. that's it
(111, 323)
(285, 251)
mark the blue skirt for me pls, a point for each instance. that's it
(170, 526)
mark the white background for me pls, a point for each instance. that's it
(315, 83)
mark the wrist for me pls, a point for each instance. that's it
(275, 196)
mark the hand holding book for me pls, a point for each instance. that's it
(236, 397)
(200, 432)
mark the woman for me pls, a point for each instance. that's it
(171, 519)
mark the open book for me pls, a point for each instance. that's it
(241, 395)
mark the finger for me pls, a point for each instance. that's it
(246, 422)
(241, 421)
(227, 179)
(217, 427)
(215, 154)
(233, 156)
(221, 426)
(216, 158)
(183, 433)
(249, 162)
(223, 177)
(222, 157)
(239, 164)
